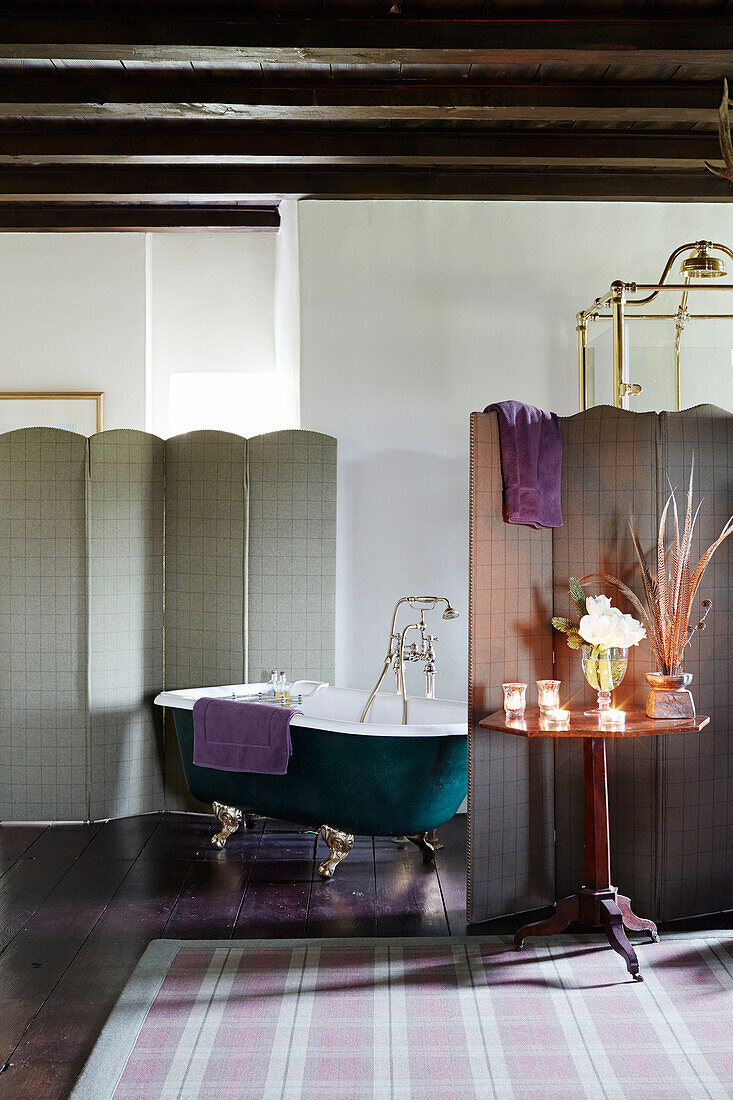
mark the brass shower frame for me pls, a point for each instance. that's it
(615, 306)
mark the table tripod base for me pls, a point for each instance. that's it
(604, 909)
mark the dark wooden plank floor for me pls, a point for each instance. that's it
(79, 904)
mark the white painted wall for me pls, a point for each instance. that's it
(123, 312)
(211, 312)
(287, 309)
(72, 317)
(412, 315)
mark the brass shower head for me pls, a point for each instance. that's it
(701, 265)
(450, 613)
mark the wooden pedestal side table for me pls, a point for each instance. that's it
(597, 904)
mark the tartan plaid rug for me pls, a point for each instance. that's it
(345, 1019)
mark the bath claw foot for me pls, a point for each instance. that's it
(230, 819)
(427, 843)
(340, 844)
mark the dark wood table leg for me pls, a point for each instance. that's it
(613, 926)
(566, 911)
(598, 904)
(601, 898)
(634, 923)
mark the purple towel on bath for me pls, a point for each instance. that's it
(241, 737)
(531, 463)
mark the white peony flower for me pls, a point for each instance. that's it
(607, 626)
(635, 632)
(599, 605)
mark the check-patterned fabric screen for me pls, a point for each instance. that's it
(292, 555)
(670, 797)
(43, 612)
(205, 574)
(695, 783)
(511, 813)
(88, 530)
(125, 498)
(609, 475)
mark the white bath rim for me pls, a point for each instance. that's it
(337, 710)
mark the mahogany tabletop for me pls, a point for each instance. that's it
(636, 724)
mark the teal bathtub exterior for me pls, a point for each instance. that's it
(368, 785)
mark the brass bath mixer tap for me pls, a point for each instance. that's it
(398, 652)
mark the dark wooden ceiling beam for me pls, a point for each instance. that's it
(137, 217)
(209, 184)
(99, 144)
(705, 40)
(348, 101)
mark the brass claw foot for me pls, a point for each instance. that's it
(230, 819)
(340, 844)
(427, 843)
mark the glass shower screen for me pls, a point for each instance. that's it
(663, 346)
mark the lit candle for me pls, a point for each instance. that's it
(555, 719)
(514, 699)
(548, 695)
(613, 719)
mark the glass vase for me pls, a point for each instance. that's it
(604, 667)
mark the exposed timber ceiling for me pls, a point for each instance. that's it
(205, 114)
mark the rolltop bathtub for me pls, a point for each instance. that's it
(379, 778)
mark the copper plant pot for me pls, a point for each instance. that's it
(669, 696)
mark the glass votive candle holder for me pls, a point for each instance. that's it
(612, 719)
(548, 695)
(555, 721)
(514, 700)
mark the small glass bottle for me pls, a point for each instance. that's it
(271, 690)
(282, 691)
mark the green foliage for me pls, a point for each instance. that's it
(578, 596)
(569, 629)
(567, 626)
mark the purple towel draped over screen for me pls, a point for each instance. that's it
(531, 463)
(241, 737)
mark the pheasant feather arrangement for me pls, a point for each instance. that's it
(670, 584)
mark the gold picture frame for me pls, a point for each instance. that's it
(70, 410)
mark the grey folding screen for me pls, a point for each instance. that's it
(510, 792)
(205, 558)
(671, 826)
(292, 554)
(695, 788)
(609, 475)
(43, 641)
(125, 567)
(125, 501)
(205, 573)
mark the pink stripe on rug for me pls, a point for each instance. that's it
(447, 1019)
